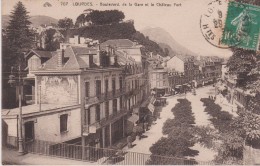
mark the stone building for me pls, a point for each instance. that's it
(86, 92)
(210, 68)
(159, 82)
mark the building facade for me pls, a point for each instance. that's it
(159, 81)
(87, 91)
(210, 68)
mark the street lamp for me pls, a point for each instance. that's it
(12, 83)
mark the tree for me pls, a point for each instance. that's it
(166, 51)
(106, 17)
(52, 38)
(241, 63)
(66, 23)
(80, 20)
(19, 35)
(180, 135)
(248, 125)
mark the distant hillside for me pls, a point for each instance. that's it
(159, 35)
(36, 20)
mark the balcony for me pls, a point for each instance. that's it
(104, 96)
(92, 128)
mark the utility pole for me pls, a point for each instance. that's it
(13, 83)
(40, 106)
(20, 133)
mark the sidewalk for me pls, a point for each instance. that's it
(201, 119)
(12, 157)
(155, 132)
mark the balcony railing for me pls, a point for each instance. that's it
(104, 96)
(92, 128)
(105, 156)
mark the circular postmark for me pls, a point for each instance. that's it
(212, 23)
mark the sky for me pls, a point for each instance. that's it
(181, 19)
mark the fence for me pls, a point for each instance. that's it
(103, 155)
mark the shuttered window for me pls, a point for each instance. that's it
(64, 123)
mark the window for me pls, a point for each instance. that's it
(121, 83)
(87, 89)
(34, 63)
(107, 109)
(98, 88)
(91, 61)
(114, 105)
(121, 102)
(89, 116)
(97, 112)
(64, 123)
(106, 87)
(114, 86)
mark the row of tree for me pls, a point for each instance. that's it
(233, 133)
(179, 139)
(246, 65)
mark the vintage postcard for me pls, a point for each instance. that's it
(130, 82)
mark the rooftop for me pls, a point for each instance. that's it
(40, 53)
(31, 109)
(185, 58)
(119, 43)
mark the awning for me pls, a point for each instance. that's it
(134, 118)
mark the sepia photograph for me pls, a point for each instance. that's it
(130, 82)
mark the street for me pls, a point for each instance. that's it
(201, 118)
(155, 132)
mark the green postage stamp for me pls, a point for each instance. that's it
(242, 26)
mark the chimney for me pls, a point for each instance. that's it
(60, 53)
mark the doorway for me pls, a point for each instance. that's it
(29, 131)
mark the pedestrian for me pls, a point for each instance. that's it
(129, 141)
(146, 126)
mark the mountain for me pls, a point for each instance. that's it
(165, 40)
(164, 45)
(36, 20)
